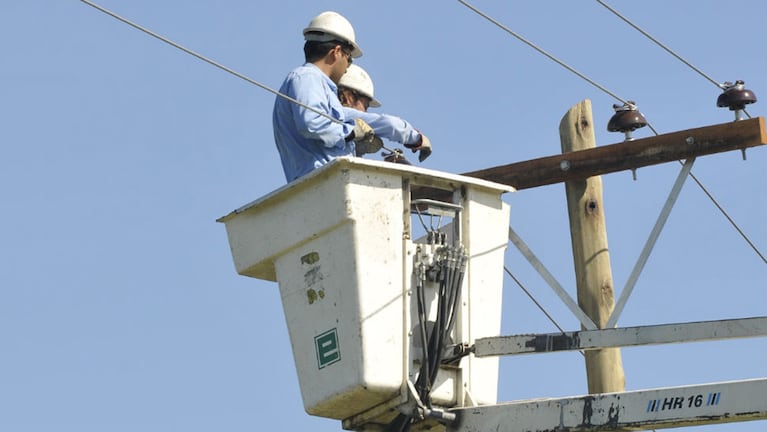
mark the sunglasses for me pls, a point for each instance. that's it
(348, 55)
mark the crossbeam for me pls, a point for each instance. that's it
(667, 407)
(629, 155)
(621, 337)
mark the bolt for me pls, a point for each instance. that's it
(564, 165)
(690, 140)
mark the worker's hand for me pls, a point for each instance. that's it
(422, 146)
(365, 139)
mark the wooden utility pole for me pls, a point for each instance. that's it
(604, 367)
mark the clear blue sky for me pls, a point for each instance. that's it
(120, 309)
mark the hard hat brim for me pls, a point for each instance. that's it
(322, 35)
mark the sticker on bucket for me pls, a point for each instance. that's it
(327, 348)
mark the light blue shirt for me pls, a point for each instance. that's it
(386, 126)
(305, 139)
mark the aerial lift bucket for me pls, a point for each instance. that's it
(340, 243)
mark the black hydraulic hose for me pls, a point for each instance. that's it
(453, 291)
(451, 266)
(438, 332)
(457, 289)
(424, 387)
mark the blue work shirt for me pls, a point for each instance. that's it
(386, 126)
(305, 139)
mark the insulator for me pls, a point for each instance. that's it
(626, 119)
(735, 97)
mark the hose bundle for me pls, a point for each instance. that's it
(448, 269)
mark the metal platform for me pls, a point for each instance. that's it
(669, 407)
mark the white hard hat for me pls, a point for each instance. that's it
(357, 79)
(329, 26)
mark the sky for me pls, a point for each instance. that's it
(120, 308)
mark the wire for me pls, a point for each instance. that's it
(540, 50)
(209, 61)
(508, 272)
(659, 43)
(323, 114)
(508, 30)
(732, 222)
(667, 49)
(721, 86)
(551, 57)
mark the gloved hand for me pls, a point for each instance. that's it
(422, 146)
(365, 139)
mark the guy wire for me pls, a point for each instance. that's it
(508, 272)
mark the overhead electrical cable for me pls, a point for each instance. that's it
(625, 102)
(284, 96)
(551, 57)
(718, 85)
(209, 61)
(666, 48)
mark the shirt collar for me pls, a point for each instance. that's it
(329, 81)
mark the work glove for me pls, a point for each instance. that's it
(422, 146)
(365, 139)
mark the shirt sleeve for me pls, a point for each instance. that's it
(386, 126)
(311, 91)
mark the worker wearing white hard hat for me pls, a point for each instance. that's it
(329, 26)
(305, 139)
(357, 86)
(356, 92)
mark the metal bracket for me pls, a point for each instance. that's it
(549, 278)
(654, 234)
(621, 337)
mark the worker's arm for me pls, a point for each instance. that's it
(311, 90)
(386, 126)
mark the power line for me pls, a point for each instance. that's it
(323, 114)
(209, 61)
(666, 48)
(540, 50)
(551, 57)
(616, 13)
(626, 103)
(721, 86)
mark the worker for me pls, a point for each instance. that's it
(356, 92)
(305, 139)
